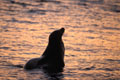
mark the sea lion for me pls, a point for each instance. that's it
(53, 56)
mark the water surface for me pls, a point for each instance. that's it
(92, 37)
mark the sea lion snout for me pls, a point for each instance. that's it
(62, 30)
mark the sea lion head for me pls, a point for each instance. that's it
(56, 35)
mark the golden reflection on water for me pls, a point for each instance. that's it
(91, 38)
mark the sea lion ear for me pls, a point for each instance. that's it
(52, 36)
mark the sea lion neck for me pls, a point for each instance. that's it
(55, 43)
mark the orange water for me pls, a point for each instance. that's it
(92, 37)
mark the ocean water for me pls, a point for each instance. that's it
(92, 38)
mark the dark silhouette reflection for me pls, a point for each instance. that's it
(53, 75)
(52, 69)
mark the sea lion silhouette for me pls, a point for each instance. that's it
(53, 56)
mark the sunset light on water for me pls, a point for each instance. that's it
(91, 38)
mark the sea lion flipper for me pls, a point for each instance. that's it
(31, 64)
